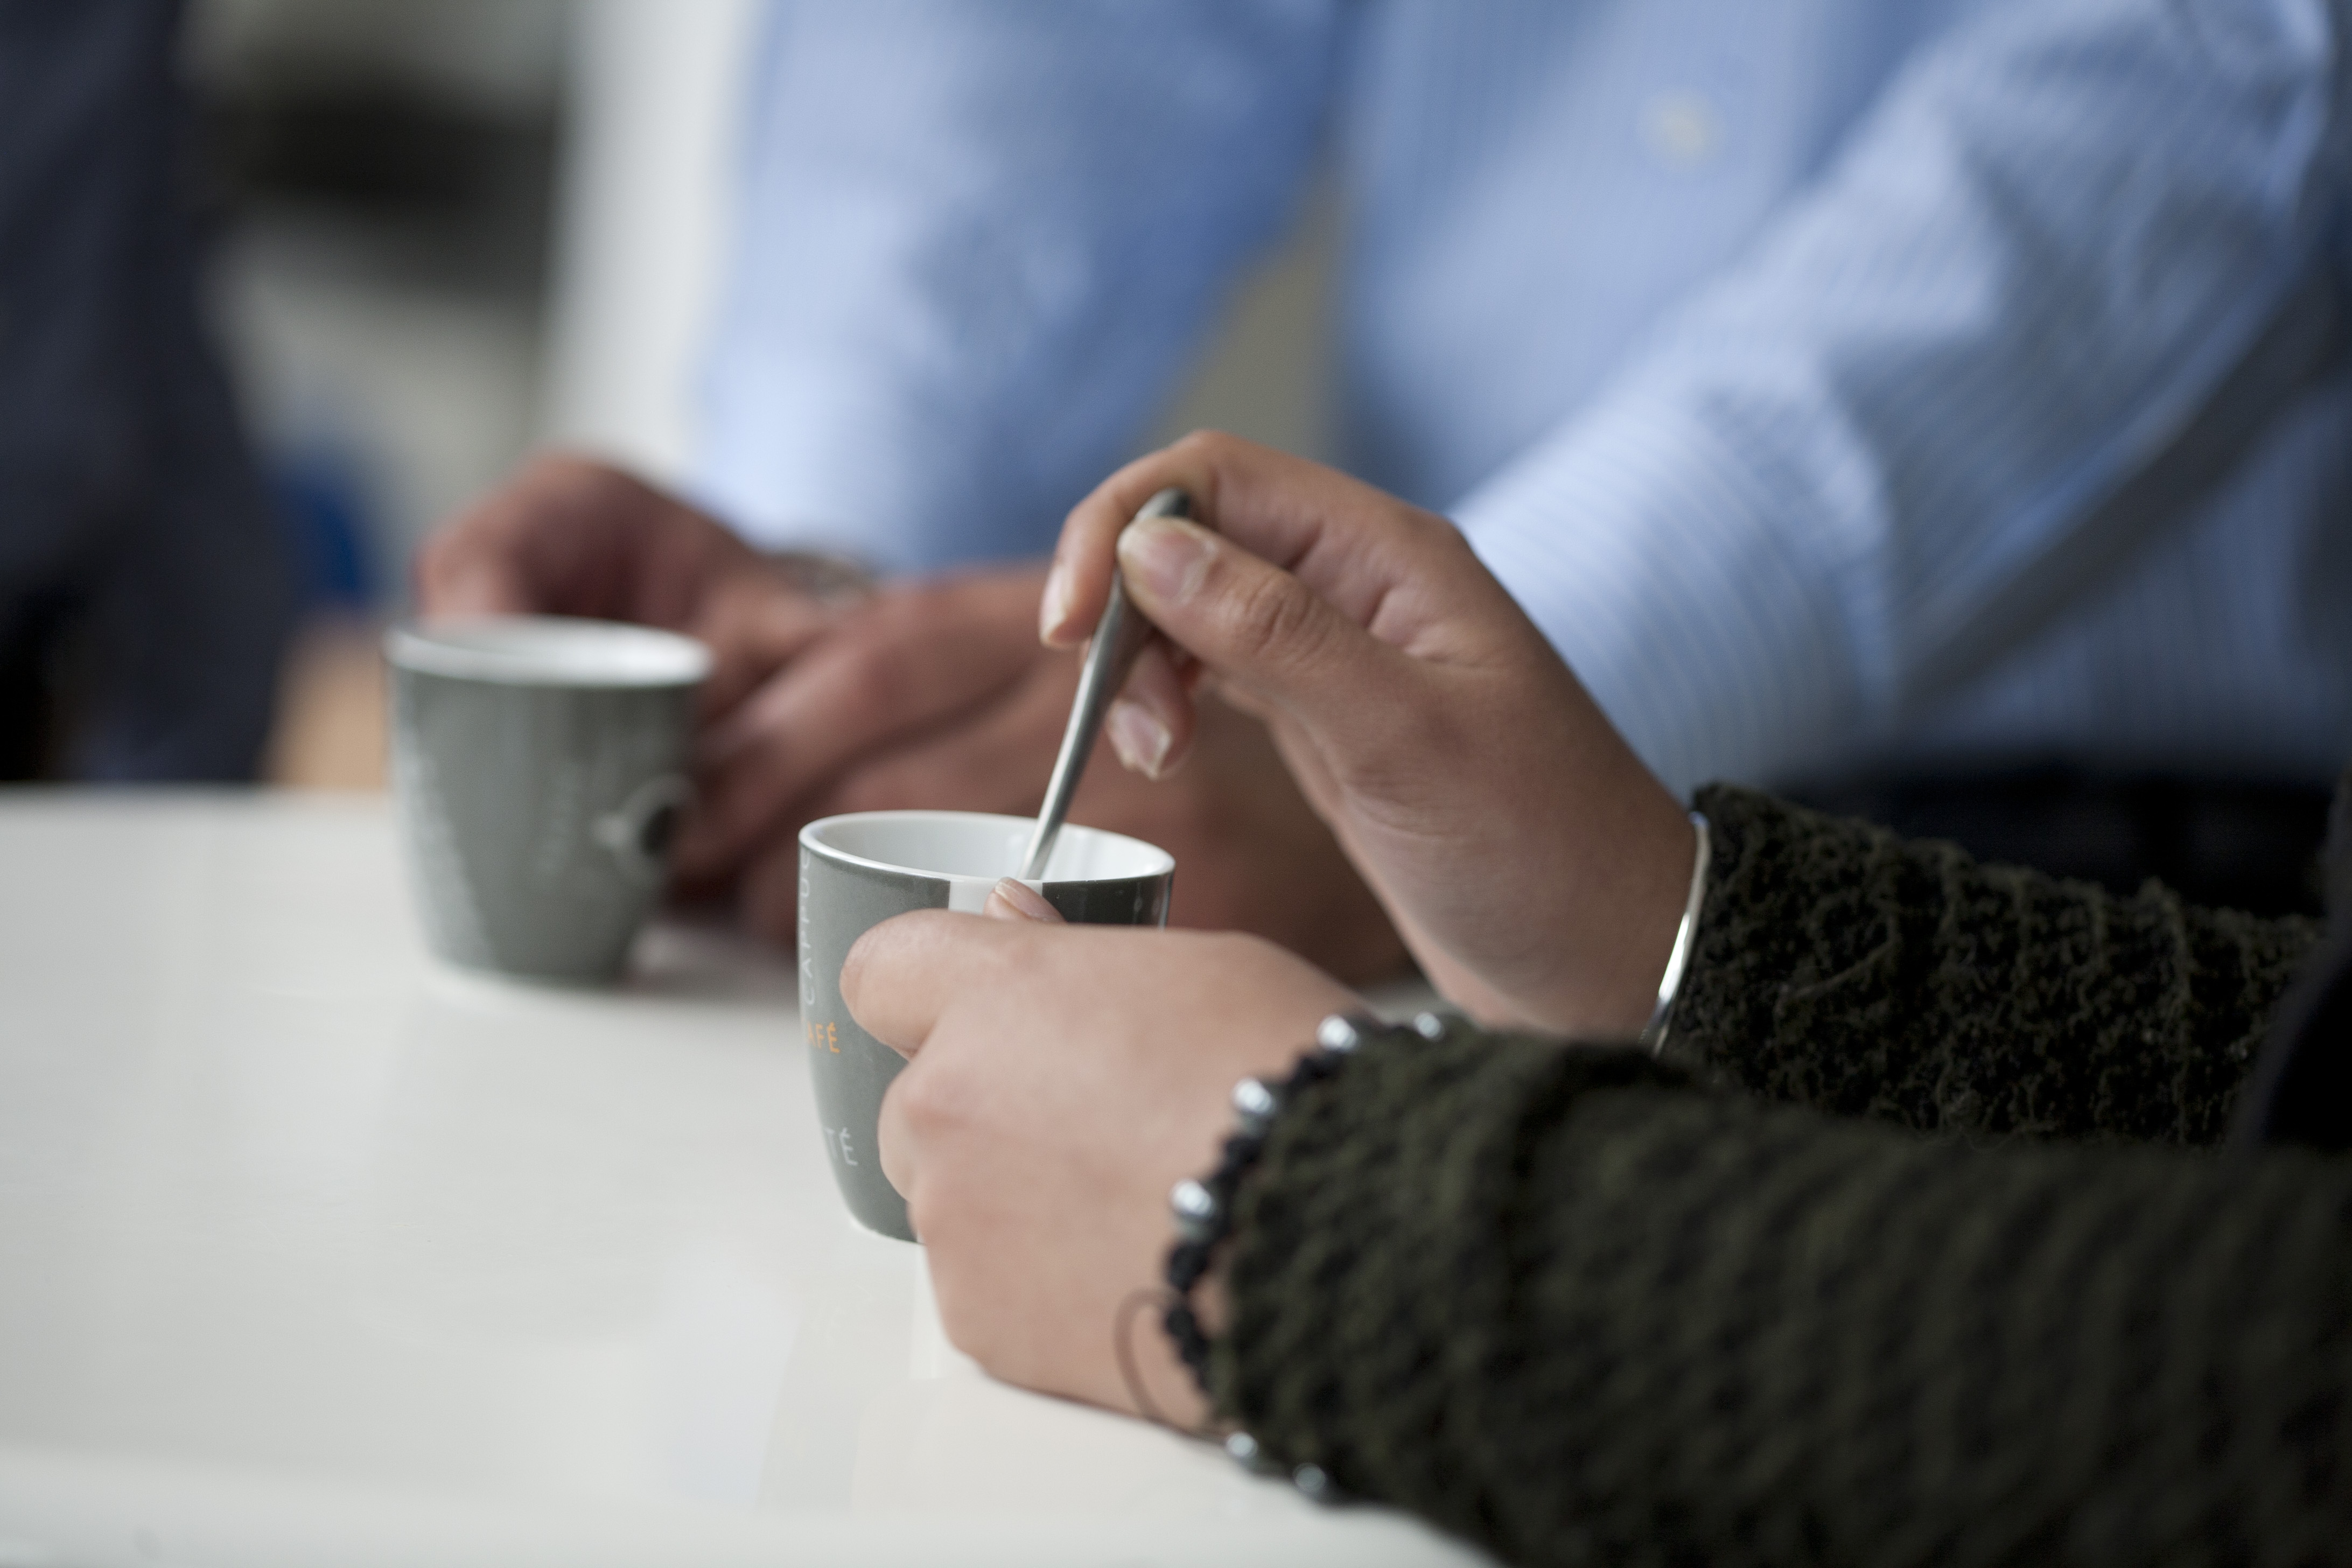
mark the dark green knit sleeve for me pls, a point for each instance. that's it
(1840, 967)
(1564, 1306)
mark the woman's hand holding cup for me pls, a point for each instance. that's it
(1062, 1078)
(1535, 866)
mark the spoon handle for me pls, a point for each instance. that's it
(1118, 639)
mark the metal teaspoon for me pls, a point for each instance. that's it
(1119, 637)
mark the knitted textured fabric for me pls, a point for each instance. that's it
(1840, 967)
(1569, 1305)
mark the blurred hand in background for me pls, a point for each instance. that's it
(932, 692)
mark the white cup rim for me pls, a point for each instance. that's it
(1075, 843)
(547, 650)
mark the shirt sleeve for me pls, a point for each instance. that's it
(1838, 967)
(974, 245)
(2060, 277)
(1556, 1304)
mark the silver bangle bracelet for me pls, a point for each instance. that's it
(1654, 1033)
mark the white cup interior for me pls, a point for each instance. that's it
(972, 850)
(548, 650)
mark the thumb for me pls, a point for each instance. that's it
(455, 576)
(1257, 626)
(902, 974)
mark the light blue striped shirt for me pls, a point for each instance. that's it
(1851, 486)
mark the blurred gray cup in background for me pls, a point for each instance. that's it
(858, 871)
(540, 769)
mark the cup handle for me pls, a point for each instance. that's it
(638, 832)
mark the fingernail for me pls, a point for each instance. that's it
(1168, 555)
(1139, 738)
(1054, 607)
(1016, 900)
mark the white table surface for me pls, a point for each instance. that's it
(314, 1251)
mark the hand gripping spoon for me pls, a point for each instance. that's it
(1119, 637)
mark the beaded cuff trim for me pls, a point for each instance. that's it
(1203, 1207)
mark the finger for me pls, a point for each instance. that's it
(454, 581)
(994, 756)
(895, 666)
(1077, 585)
(754, 625)
(1263, 630)
(470, 568)
(903, 973)
(1150, 726)
(1012, 899)
(552, 539)
(569, 535)
(1387, 565)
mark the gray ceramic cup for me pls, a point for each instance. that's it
(540, 768)
(858, 871)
